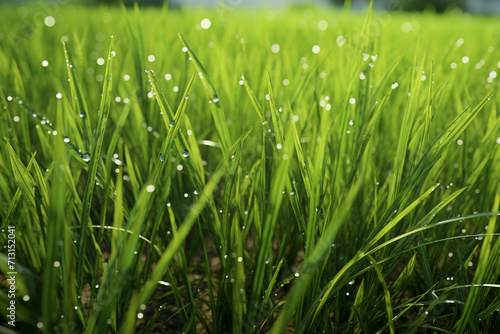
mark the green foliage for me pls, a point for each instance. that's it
(164, 177)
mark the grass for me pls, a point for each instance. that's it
(165, 177)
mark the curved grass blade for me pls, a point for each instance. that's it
(213, 98)
(168, 254)
(312, 262)
(387, 294)
(123, 255)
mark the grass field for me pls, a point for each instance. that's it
(308, 171)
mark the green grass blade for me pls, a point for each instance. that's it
(94, 162)
(214, 101)
(172, 248)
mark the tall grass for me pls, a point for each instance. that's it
(166, 177)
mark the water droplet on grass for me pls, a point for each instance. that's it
(85, 157)
(171, 124)
(185, 154)
(341, 40)
(322, 25)
(205, 23)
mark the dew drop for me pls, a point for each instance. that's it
(85, 157)
(66, 139)
(185, 154)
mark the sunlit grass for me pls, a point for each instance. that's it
(250, 171)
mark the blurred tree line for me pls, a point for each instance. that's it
(406, 5)
(412, 5)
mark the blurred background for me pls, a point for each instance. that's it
(487, 7)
